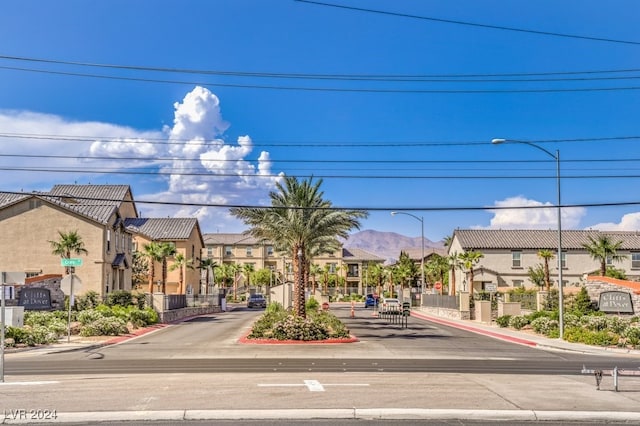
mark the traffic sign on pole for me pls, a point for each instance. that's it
(72, 261)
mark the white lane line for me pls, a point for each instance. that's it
(312, 385)
(25, 383)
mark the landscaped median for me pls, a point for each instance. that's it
(280, 326)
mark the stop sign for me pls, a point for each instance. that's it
(437, 285)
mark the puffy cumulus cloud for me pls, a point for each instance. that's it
(629, 222)
(208, 170)
(532, 216)
(76, 140)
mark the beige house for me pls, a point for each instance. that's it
(242, 249)
(29, 221)
(185, 235)
(508, 255)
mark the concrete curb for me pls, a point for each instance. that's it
(344, 413)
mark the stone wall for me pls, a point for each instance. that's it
(178, 314)
(597, 285)
(49, 282)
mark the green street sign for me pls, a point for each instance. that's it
(74, 261)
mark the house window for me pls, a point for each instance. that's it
(209, 251)
(227, 251)
(117, 242)
(269, 250)
(516, 259)
(108, 240)
(249, 251)
(333, 267)
(635, 260)
(563, 260)
(518, 283)
(609, 261)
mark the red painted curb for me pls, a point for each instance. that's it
(476, 330)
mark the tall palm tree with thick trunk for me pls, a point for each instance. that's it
(546, 255)
(299, 220)
(454, 264)
(68, 243)
(158, 252)
(602, 249)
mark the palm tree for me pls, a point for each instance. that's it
(299, 220)
(603, 249)
(208, 265)
(546, 255)
(314, 271)
(182, 263)
(376, 271)
(454, 263)
(447, 241)
(153, 252)
(70, 242)
(248, 270)
(469, 260)
(436, 269)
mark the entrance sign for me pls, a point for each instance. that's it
(616, 302)
(490, 287)
(35, 298)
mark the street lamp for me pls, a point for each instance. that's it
(421, 219)
(556, 157)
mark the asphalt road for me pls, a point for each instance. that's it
(198, 371)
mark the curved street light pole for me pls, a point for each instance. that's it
(556, 157)
(421, 219)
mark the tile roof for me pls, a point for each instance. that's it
(415, 253)
(477, 239)
(230, 239)
(356, 254)
(96, 202)
(159, 229)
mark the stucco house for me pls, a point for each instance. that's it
(508, 255)
(185, 235)
(29, 221)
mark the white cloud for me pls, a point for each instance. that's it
(629, 222)
(536, 216)
(198, 166)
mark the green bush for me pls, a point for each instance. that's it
(89, 300)
(545, 325)
(312, 304)
(105, 326)
(631, 334)
(120, 298)
(294, 327)
(32, 318)
(518, 322)
(591, 337)
(503, 321)
(277, 323)
(143, 317)
(89, 316)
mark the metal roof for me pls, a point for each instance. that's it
(478, 239)
(356, 254)
(231, 239)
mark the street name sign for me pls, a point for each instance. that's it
(73, 262)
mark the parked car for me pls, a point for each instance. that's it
(256, 301)
(371, 300)
(390, 305)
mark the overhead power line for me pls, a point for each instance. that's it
(471, 24)
(369, 208)
(305, 144)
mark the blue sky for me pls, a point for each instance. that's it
(380, 144)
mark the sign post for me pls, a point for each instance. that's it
(2, 327)
(70, 262)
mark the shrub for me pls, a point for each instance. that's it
(105, 326)
(518, 322)
(89, 300)
(591, 337)
(119, 297)
(594, 323)
(503, 321)
(312, 304)
(89, 316)
(617, 324)
(142, 317)
(632, 335)
(571, 320)
(545, 325)
(294, 327)
(32, 318)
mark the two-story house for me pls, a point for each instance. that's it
(29, 221)
(508, 255)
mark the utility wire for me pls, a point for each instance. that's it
(317, 76)
(308, 144)
(471, 24)
(330, 89)
(332, 208)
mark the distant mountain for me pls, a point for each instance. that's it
(386, 244)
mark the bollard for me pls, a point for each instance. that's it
(353, 309)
